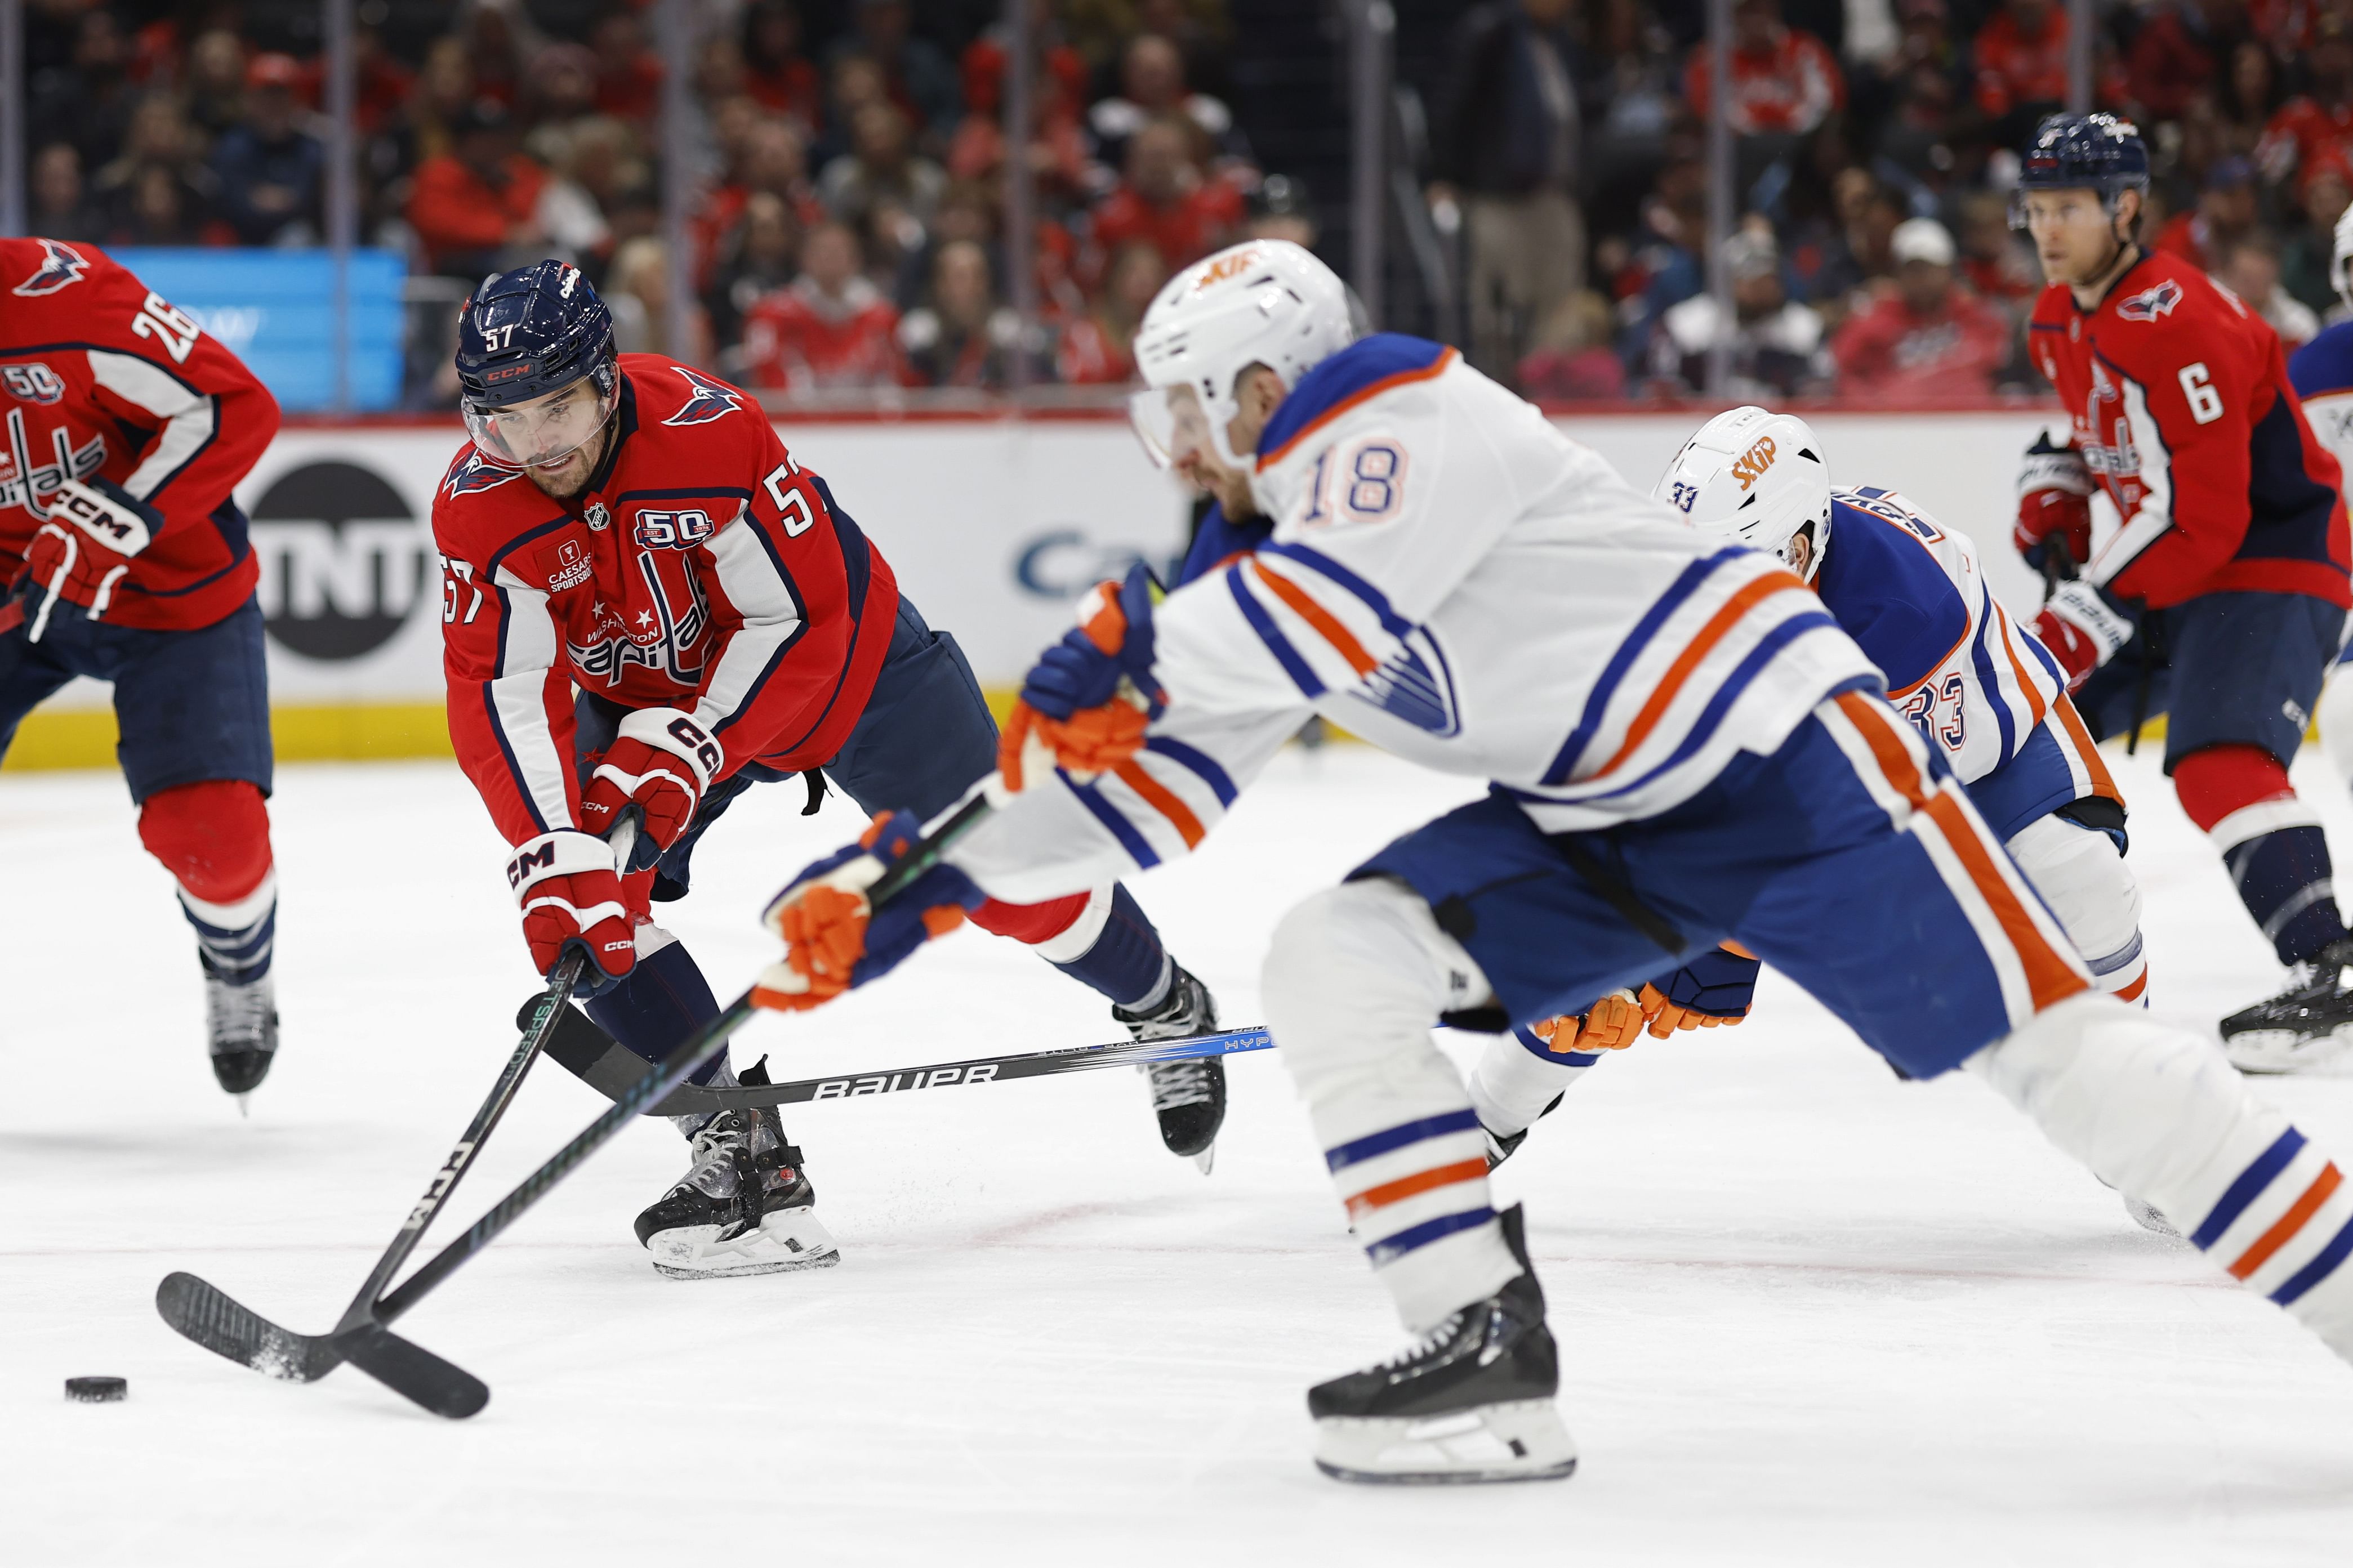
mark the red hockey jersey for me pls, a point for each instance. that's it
(99, 376)
(2181, 404)
(702, 569)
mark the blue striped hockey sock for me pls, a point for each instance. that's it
(1125, 962)
(235, 941)
(2278, 856)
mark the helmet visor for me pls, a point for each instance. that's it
(1170, 423)
(545, 430)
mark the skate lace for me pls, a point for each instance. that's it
(1177, 1084)
(239, 1014)
(1430, 1344)
(713, 1153)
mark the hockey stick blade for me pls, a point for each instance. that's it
(612, 1069)
(408, 1369)
(212, 1318)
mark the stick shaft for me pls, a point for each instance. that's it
(560, 982)
(697, 1050)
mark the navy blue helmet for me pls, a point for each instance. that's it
(2085, 152)
(527, 334)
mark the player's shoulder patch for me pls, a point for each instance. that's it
(708, 399)
(474, 473)
(60, 266)
(2153, 303)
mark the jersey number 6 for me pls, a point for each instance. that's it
(2197, 386)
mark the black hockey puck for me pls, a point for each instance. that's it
(97, 1390)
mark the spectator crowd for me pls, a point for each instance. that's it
(848, 209)
(1876, 145)
(848, 212)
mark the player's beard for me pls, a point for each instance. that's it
(569, 478)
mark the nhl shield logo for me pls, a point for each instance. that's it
(2151, 303)
(599, 520)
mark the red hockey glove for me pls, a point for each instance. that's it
(82, 550)
(660, 762)
(1609, 1024)
(571, 897)
(2055, 507)
(2082, 630)
(835, 939)
(1088, 701)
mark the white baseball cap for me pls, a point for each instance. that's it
(1921, 239)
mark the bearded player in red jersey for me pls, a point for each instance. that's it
(126, 560)
(648, 606)
(2220, 600)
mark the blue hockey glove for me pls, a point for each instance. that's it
(1088, 699)
(835, 940)
(1712, 990)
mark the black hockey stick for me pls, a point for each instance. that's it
(202, 1312)
(445, 1390)
(612, 1069)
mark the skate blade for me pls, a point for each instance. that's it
(2275, 1053)
(2145, 1216)
(1520, 1441)
(787, 1241)
(1206, 1159)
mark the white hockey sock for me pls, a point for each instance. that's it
(1512, 1084)
(2157, 1113)
(1353, 979)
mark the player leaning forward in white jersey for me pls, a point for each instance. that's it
(1685, 749)
(1985, 696)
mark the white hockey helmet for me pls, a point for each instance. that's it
(1756, 475)
(1263, 302)
(2341, 256)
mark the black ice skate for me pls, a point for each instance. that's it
(744, 1206)
(1189, 1096)
(2308, 1024)
(1473, 1400)
(242, 1018)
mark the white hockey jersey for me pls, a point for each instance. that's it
(1454, 580)
(1910, 592)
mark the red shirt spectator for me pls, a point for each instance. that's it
(467, 204)
(1097, 347)
(2224, 215)
(628, 74)
(2312, 124)
(2169, 62)
(2286, 26)
(2022, 57)
(1929, 338)
(1164, 202)
(779, 77)
(1783, 80)
(831, 329)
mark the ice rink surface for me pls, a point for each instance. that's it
(1808, 1313)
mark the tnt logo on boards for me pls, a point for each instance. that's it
(343, 561)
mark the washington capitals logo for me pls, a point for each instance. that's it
(711, 400)
(60, 265)
(2151, 303)
(477, 473)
